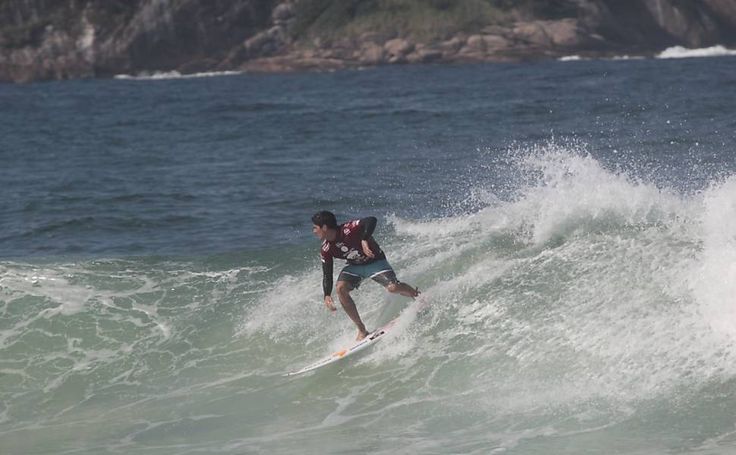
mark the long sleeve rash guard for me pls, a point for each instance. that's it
(348, 246)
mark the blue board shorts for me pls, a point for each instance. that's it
(379, 271)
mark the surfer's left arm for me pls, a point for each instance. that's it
(369, 225)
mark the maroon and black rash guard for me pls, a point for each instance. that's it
(347, 246)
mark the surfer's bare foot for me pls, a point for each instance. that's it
(403, 289)
(361, 334)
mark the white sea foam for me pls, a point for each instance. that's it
(627, 57)
(166, 75)
(674, 52)
(713, 279)
(682, 52)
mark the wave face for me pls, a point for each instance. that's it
(588, 309)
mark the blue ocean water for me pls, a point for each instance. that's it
(572, 224)
(224, 164)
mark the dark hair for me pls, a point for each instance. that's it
(325, 218)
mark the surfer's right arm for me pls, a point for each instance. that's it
(327, 284)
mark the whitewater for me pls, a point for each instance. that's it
(154, 290)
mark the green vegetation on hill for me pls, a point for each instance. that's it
(422, 20)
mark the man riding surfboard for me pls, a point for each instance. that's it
(353, 242)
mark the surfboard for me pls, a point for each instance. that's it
(358, 346)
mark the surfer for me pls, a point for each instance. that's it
(353, 241)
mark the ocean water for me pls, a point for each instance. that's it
(571, 224)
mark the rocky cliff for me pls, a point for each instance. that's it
(59, 39)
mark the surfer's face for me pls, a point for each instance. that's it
(320, 232)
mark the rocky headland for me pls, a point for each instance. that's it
(64, 39)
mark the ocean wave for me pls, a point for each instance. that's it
(584, 299)
(584, 272)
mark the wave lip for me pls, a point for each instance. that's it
(683, 52)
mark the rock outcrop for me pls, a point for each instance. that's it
(54, 39)
(61, 39)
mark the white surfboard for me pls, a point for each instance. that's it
(358, 346)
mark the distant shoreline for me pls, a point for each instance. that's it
(675, 52)
(101, 40)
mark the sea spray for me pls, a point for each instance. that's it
(593, 296)
(713, 278)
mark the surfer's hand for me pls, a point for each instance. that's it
(367, 249)
(329, 303)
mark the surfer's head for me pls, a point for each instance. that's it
(324, 222)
